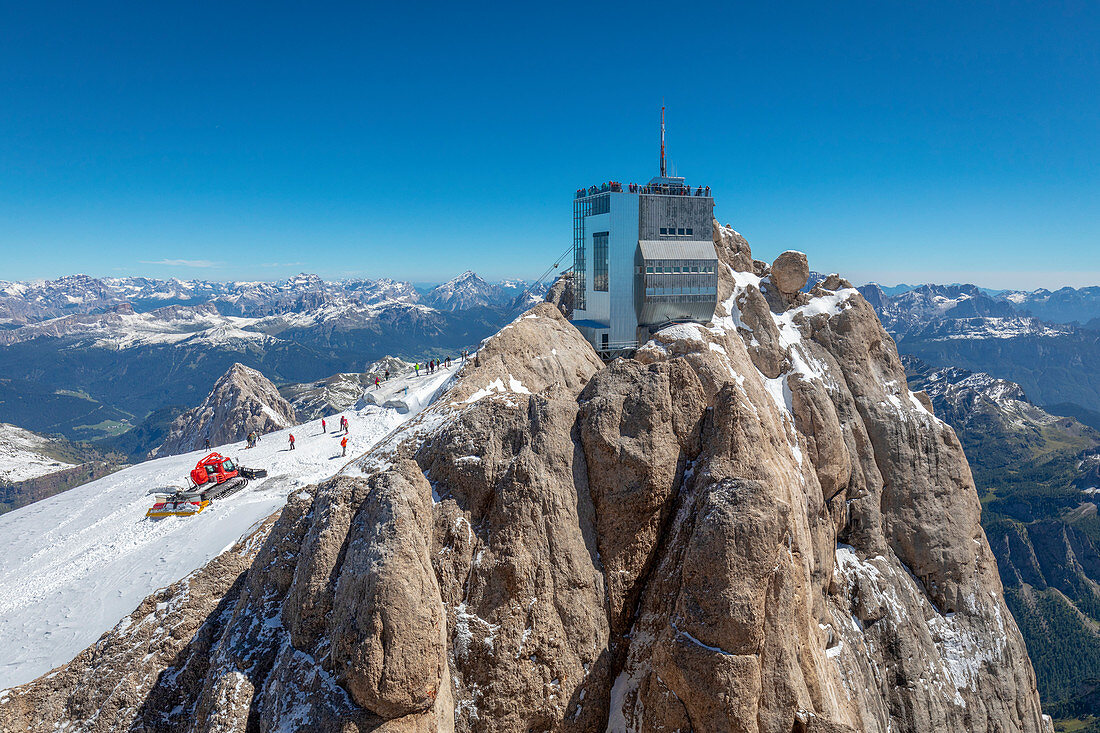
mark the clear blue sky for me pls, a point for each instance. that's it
(890, 141)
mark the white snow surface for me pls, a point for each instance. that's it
(72, 565)
(22, 457)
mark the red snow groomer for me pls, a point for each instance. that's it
(213, 477)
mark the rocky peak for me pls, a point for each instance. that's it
(753, 525)
(242, 400)
(467, 290)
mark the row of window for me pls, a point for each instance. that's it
(680, 290)
(677, 231)
(684, 270)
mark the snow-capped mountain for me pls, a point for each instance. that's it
(916, 307)
(967, 399)
(86, 357)
(1065, 305)
(384, 290)
(464, 292)
(34, 301)
(27, 302)
(967, 327)
(558, 543)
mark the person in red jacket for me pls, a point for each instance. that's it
(292, 441)
(323, 428)
(344, 445)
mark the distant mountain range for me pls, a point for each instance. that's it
(1056, 362)
(1065, 305)
(92, 358)
(23, 303)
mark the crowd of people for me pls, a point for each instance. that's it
(665, 189)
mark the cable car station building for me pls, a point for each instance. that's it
(643, 257)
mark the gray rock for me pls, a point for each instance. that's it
(243, 400)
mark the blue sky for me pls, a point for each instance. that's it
(891, 141)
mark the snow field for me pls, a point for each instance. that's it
(21, 456)
(72, 565)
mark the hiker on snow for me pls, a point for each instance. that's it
(344, 445)
(323, 428)
(292, 441)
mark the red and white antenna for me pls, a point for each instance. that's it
(662, 141)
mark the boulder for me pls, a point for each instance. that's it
(790, 272)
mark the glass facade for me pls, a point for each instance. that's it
(679, 278)
(599, 261)
(581, 209)
(600, 204)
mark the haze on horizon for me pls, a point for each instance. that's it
(932, 143)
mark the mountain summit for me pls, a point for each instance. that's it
(243, 400)
(463, 292)
(753, 525)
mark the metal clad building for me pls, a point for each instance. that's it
(643, 257)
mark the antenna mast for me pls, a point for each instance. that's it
(662, 141)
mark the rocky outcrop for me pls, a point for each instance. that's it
(561, 294)
(243, 400)
(751, 526)
(314, 400)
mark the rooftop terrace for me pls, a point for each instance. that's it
(671, 188)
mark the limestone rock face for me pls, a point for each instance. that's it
(243, 400)
(386, 610)
(790, 272)
(752, 525)
(638, 426)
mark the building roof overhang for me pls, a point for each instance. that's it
(676, 249)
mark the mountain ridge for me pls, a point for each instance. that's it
(753, 525)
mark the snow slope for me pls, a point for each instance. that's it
(22, 455)
(72, 565)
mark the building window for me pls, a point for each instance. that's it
(599, 261)
(680, 231)
(600, 205)
(664, 230)
(689, 232)
(581, 209)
